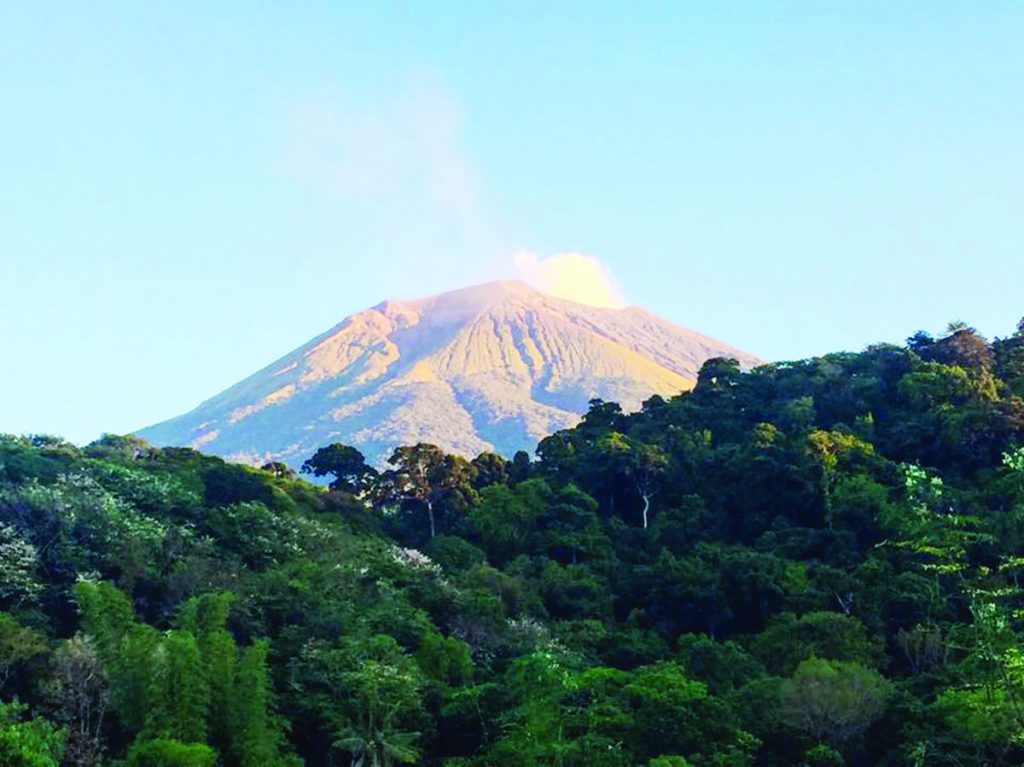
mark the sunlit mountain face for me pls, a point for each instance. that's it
(495, 367)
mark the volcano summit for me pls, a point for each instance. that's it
(494, 367)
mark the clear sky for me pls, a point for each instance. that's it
(190, 189)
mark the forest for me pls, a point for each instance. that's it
(810, 563)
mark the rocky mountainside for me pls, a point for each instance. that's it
(492, 367)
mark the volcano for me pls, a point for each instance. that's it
(494, 367)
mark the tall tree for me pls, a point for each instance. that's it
(81, 697)
(491, 469)
(425, 475)
(206, 617)
(179, 694)
(639, 465)
(833, 701)
(345, 463)
(383, 687)
(257, 735)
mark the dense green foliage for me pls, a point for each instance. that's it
(811, 563)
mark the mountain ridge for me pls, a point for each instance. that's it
(490, 367)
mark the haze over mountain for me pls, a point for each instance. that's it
(492, 367)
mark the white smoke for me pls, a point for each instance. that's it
(404, 147)
(572, 276)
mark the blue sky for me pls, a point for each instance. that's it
(190, 190)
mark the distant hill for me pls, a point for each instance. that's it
(493, 367)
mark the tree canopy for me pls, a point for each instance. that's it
(811, 563)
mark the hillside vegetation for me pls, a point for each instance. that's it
(811, 563)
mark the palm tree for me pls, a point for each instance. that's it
(384, 689)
